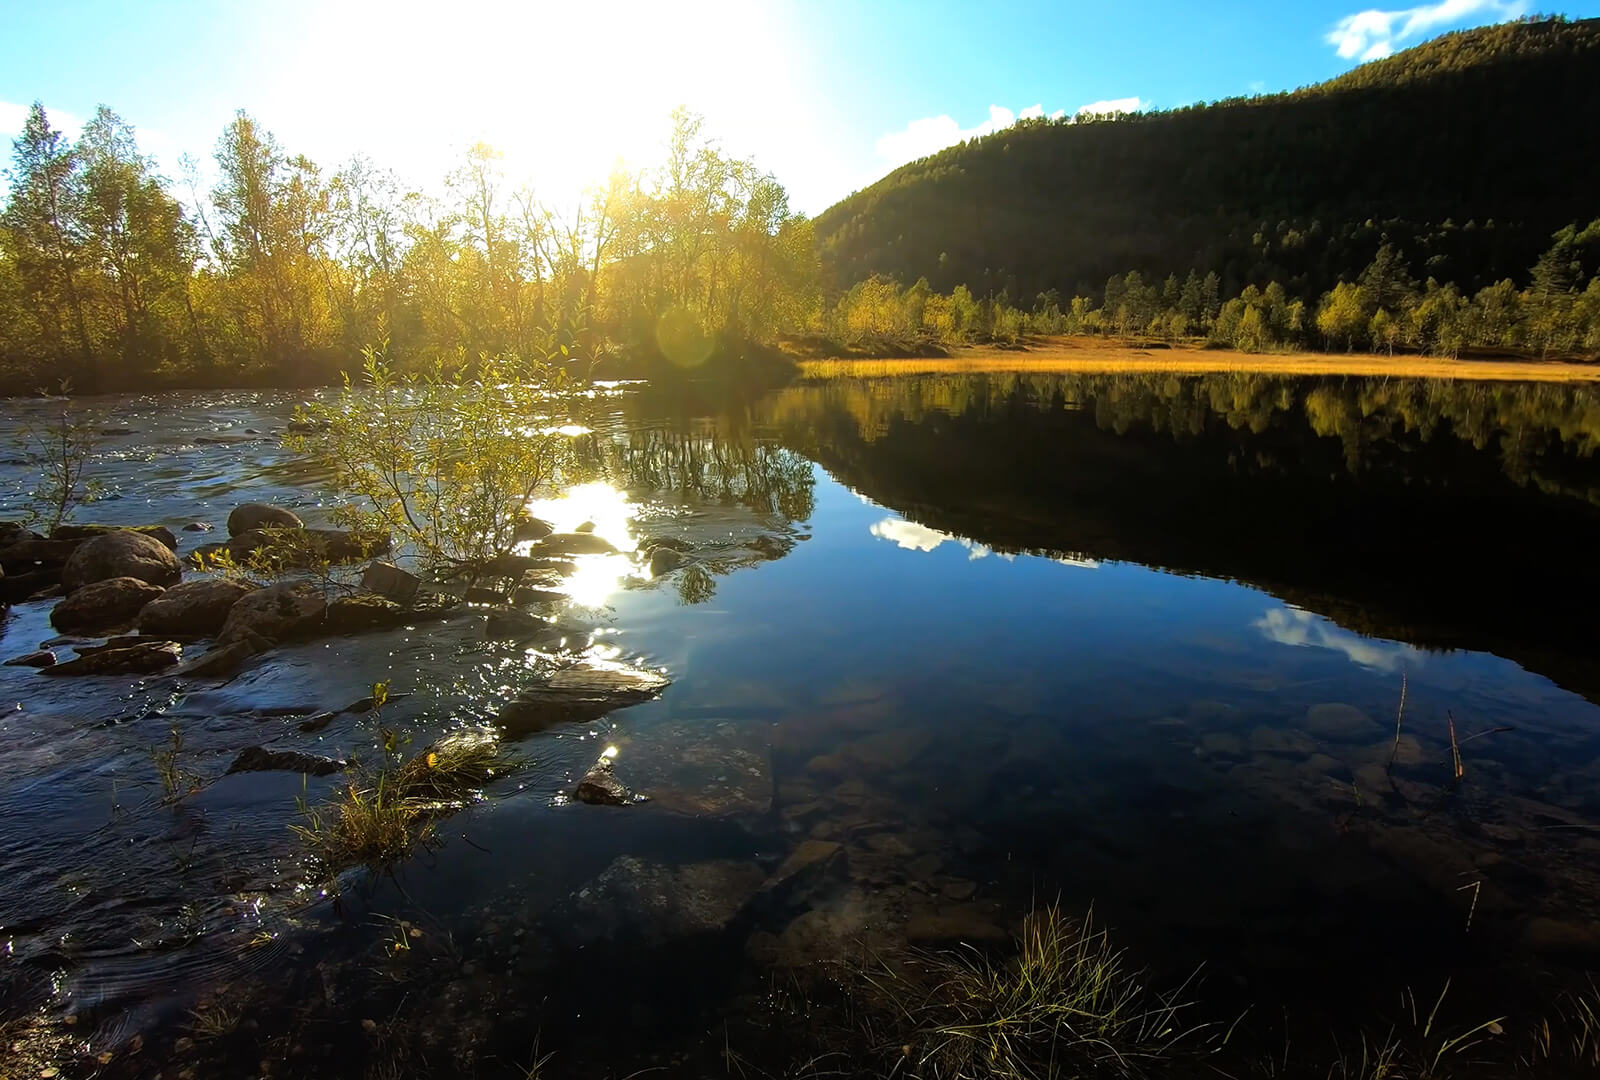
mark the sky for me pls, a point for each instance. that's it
(828, 95)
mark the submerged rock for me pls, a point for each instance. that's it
(579, 694)
(17, 588)
(197, 526)
(42, 658)
(658, 903)
(508, 624)
(193, 607)
(278, 613)
(121, 554)
(532, 528)
(664, 560)
(261, 516)
(113, 602)
(222, 661)
(260, 759)
(1340, 722)
(139, 660)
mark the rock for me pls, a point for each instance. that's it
(1344, 723)
(532, 528)
(966, 924)
(260, 759)
(659, 903)
(317, 722)
(529, 594)
(574, 543)
(124, 641)
(27, 555)
(278, 613)
(664, 560)
(959, 889)
(52, 592)
(771, 547)
(139, 660)
(807, 867)
(83, 532)
(479, 594)
(197, 526)
(367, 704)
(389, 581)
(301, 547)
(579, 694)
(13, 532)
(363, 611)
(196, 608)
(508, 624)
(586, 527)
(112, 432)
(42, 658)
(600, 786)
(1574, 938)
(17, 588)
(113, 602)
(261, 516)
(121, 554)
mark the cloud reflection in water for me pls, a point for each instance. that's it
(1293, 626)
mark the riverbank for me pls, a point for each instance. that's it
(1088, 355)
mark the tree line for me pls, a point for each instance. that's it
(1384, 308)
(1451, 150)
(113, 275)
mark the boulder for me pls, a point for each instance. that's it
(261, 516)
(15, 588)
(138, 660)
(12, 532)
(83, 532)
(479, 594)
(42, 658)
(120, 554)
(260, 759)
(507, 624)
(113, 602)
(579, 694)
(197, 608)
(197, 526)
(574, 543)
(277, 613)
(298, 547)
(532, 528)
(389, 581)
(363, 611)
(29, 554)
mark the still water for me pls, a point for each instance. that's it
(1130, 643)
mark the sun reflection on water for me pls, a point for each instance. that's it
(603, 510)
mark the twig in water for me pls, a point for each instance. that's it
(1475, 886)
(1455, 747)
(1398, 717)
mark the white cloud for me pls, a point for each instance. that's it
(1374, 34)
(14, 117)
(914, 537)
(933, 133)
(1292, 626)
(1111, 105)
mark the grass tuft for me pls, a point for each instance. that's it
(1066, 1004)
(385, 812)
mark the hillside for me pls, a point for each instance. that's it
(1467, 152)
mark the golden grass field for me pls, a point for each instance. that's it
(1097, 356)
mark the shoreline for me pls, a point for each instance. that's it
(1090, 356)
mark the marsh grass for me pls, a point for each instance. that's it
(1066, 1004)
(177, 780)
(388, 810)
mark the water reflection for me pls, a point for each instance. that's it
(1373, 502)
(1293, 626)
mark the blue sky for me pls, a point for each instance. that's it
(827, 94)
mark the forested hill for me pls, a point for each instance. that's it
(1467, 152)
